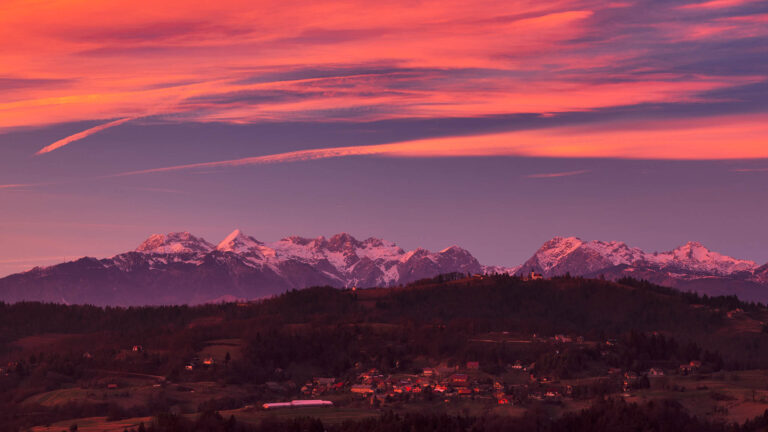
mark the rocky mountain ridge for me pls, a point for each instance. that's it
(181, 268)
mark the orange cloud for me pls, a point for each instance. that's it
(232, 62)
(669, 140)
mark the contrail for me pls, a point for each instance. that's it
(80, 135)
(15, 186)
(295, 156)
(558, 174)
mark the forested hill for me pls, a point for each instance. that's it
(595, 309)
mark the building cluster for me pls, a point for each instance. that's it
(196, 362)
(446, 383)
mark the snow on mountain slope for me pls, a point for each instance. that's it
(572, 255)
(693, 256)
(181, 268)
(340, 260)
(174, 243)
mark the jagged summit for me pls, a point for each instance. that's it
(174, 243)
(562, 255)
(238, 242)
(694, 256)
(179, 267)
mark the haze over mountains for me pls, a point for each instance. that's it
(182, 268)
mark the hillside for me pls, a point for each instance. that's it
(64, 357)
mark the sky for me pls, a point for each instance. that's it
(493, 125)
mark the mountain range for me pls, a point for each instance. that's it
(179, 268)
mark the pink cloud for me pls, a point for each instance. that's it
(671, 140)
(717, 4)
(446, 59)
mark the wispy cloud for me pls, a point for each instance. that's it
(323, 63)
(438, 59)
(744, 170)
(295, 156)
(159, 190)
(671, 140)
(80, 135)
(717, 4)
(557, 174)
(16, 186)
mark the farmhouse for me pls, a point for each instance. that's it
(361, 389)
(459, 379)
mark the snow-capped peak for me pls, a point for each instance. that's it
(696, 257)
(238, 242)
(174, 243)
(553, 251)
(563, 254)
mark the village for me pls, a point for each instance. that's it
(518, 385)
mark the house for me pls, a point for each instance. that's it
(459, 379)
(691, 367)
(630, 380)
(473, 365)
(463, 391)
(553, 396)
(533, 276)
(361, 389)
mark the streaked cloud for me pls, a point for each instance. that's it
(630, 140)
(558, 174)
(15, 186)
(363, 62)
(746, 170)
(80, 135)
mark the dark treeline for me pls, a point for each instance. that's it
(722, 302)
